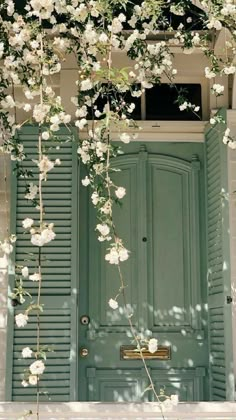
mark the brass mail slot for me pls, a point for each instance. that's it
(131, 353)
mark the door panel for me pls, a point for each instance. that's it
(104, 281)
(120, 385)
(159, 222)
(169, 246)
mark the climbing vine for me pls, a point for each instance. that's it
(35, 39)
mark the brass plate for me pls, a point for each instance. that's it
(130, 353)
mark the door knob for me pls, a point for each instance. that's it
(84, 352)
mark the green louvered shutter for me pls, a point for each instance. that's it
(218, 276)
(59, 274)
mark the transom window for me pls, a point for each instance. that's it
(160, 103)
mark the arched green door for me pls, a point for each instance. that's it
(160, 224)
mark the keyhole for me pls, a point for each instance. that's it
(84, 320)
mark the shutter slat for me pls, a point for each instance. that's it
(219, 368)
(55, 322)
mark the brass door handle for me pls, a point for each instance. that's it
(84, 352)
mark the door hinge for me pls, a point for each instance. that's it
(229, 299)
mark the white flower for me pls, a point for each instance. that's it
(13, 238)
(183, 106)
(122, 17)
(27, 107)
(33, 190)
(34, 44)
(212, 121)
(35, 277)
(229, 70)
(24, 383)
(209, 74)
(112, 257)
(85, 182)
(54, 127)
(103, 37)
(116, 255)
(123, 254)
(152, 345)
(40, 239)
(27, 223)
(6, 247)
(86, 85)
(81, 112)
(99, 167)
(97, 113)
(25, 272)
(21, 320)
(120, 192)
(136, 93)
(57, 162)
(45, 165)
(232, 144)
(37, 367)
(196, 108)
(228, 8)
(103, 229)
(45, 135)
(116, 26)
(81, 123)
(214, 23)
(33, 379)
(55, 119)
(95, 198)
(131, 108)
(217, 88)
(40, 112)
(227, 132)
(174, 399)
(26, 352)
(125, 138)
(1, 49)
(113, 304)
(8, 102)
(146, 84)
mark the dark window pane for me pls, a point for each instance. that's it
(161, 102)
(136, 114)
(116, 96)
(192, 20)
(167, 18)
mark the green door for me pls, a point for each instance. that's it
(160, 224)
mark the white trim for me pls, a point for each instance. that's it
(121, 411)
(166, 131)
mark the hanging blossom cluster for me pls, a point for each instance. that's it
(104, 99)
